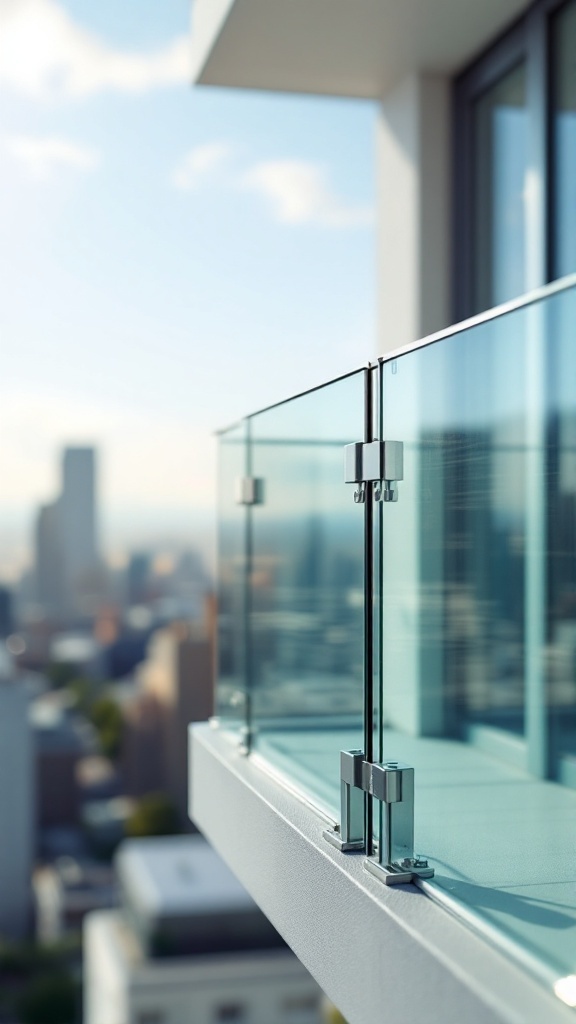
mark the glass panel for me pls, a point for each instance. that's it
(479, 616)
(500, 162)
(561, 611)
(231, 706)
(307, 588)
(563, 40)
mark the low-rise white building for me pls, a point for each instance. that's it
(189, 945)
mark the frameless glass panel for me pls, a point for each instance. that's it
(306, 620)
(500, 163)
(478, 616)
(561, 544)
(563, 48)
(231, 705)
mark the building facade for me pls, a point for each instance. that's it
(433, 628)
(17, 804)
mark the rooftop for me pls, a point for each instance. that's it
(179, 876)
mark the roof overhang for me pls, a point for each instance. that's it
(356, 48)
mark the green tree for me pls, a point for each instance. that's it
(106, 718)
(83, 691)
(154, 815)
(61, 673)
(331, 1014)
(49, 999)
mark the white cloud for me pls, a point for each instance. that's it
(44, 54)
(300, 193)
(199, 164)
(40, 156)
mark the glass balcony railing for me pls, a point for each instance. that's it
(427, 628)
(291, 586)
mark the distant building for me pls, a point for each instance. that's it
(17, 804)
(49, 567)
(138, 578)
(189, 945)
(61, 740)
(77, 507)
(67, 890)
(67, 563)
(175, 688)
(6, 612)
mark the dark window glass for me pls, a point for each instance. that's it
(563, 39)
(230, 1012)
(500, 174)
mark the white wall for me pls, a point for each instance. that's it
(414, 281)
(413, 176)
(121, 986)
(105, 974)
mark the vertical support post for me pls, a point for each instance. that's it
(535, 588)
(248, 543)
(368, 607)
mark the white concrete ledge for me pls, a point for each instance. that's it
(382, 954)
(336, 47)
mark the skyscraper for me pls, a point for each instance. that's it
(67, 561)
(77, 520)
(17, 803)
(49, 570)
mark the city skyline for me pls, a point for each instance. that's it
(164, 536)
(171, 259)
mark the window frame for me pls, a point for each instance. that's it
(529, 40)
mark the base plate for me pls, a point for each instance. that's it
(335, 839)
(395, 876)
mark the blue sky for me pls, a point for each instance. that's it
(170, 259)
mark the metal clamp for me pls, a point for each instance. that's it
(250, 490)
(349, 835)
(392, 784)
(379, 462)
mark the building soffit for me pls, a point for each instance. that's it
(339, 47)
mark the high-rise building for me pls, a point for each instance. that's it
(49, 570)
(138, 578)
(176, 687)
(17, 800)
(6, 611)
(77, 517)
(67, 563)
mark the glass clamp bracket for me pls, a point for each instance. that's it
(392, 784)
(349, 835)
(379, 462)
(250, 490)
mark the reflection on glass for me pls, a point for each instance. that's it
(306, 620)
(500, 163)
(478, 615)
(231, 693)
(563, 36)
(561, 567)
